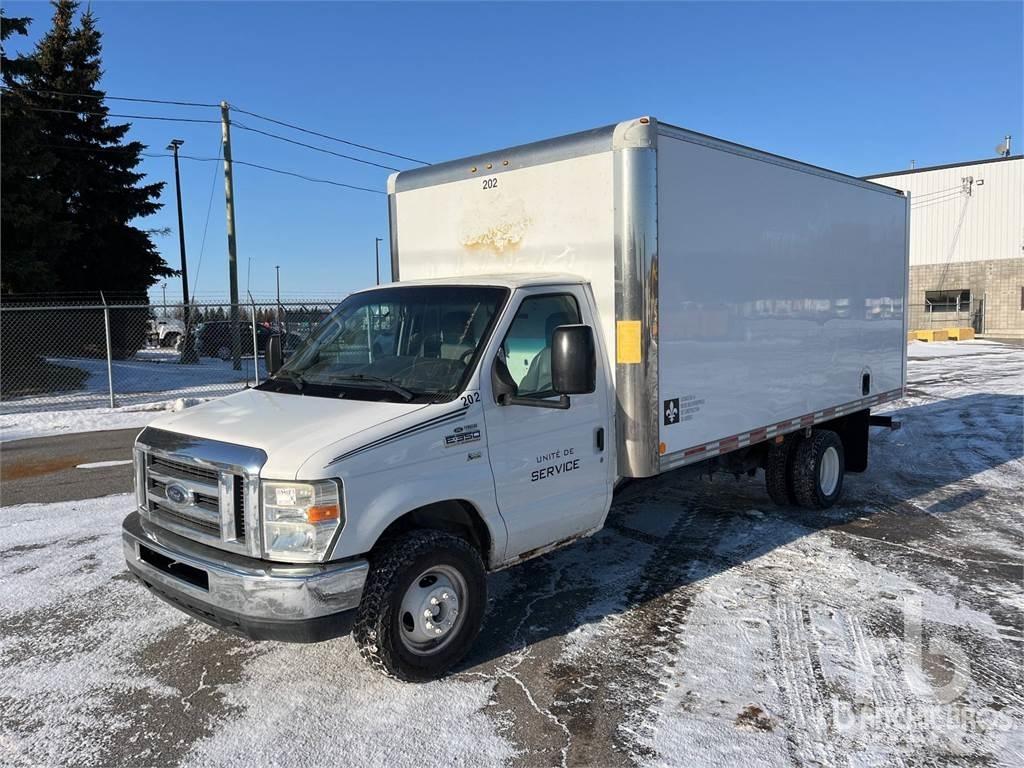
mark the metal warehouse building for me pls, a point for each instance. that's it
(966, 244)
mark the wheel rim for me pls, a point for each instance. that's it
(828, 472)
(433, 610)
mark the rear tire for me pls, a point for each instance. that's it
(778, 471)
(392, 631)
(170, 340)
(818, 470)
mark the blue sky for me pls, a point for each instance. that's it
(858, 87)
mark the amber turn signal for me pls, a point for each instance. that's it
(323, 513)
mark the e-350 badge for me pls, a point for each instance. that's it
(468, 433)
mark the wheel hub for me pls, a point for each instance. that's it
(828, 472)
(431, 609)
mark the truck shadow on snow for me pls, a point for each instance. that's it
(666, 535)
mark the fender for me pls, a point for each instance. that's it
(441, 458)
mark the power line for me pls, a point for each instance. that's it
(209, 207)
(925, 195)
(101, 97)
(309, 178)
(327, 136)
(127, 117)
(236, 161)
(173, 102)
(937, 200)
(311, 146)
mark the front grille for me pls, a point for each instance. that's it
(202, 513)
(239, 496)
(180, 469)
(174, 515)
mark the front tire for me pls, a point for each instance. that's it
(422, 606)
(818, 469)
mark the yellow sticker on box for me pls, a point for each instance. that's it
(627, 342)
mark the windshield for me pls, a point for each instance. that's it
(406, 343)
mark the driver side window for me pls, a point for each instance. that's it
(527, 346)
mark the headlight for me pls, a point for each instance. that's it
(300, 519)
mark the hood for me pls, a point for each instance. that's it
(288, 428)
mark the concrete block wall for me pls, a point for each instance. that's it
(998, 282)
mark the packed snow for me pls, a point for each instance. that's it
(703, 626)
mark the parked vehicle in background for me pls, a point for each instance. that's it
(166, 332)
(612, 304)
(214, 338)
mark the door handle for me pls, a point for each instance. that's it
(599, 438)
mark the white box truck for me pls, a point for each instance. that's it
(566, 314)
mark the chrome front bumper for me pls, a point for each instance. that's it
(253, 598)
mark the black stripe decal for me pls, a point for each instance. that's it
(437, 421)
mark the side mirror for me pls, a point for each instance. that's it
(272, 356)
(573, 360)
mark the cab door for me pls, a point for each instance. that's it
(553, 469)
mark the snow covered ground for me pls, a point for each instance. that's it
(702, 626)
(151, 376)
(19, 426)
(145, 386)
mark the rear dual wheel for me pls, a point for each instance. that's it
(806, 471)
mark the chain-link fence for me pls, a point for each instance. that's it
(71, 356)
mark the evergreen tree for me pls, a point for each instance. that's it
(93, 173)
(31, 234)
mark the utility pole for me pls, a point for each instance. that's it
(188, 351)
(376, 247)
(229, 199)
(280, 320)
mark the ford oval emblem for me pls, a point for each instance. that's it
(178, 494)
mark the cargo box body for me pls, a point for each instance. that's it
(743, 294)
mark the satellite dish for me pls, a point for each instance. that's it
(1001, 148)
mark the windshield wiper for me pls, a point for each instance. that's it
(404, 393)
(293, 376)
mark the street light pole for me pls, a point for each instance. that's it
(188, 353)
(376, 248)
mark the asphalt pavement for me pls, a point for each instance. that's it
(46, 469)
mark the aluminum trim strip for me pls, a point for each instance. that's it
(704, 451)
(703, 139)
(636, 298)
(509, 159)
(393, 234)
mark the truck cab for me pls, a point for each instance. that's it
(446, 427)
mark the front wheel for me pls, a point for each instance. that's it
(422, 605)
(818, 469)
